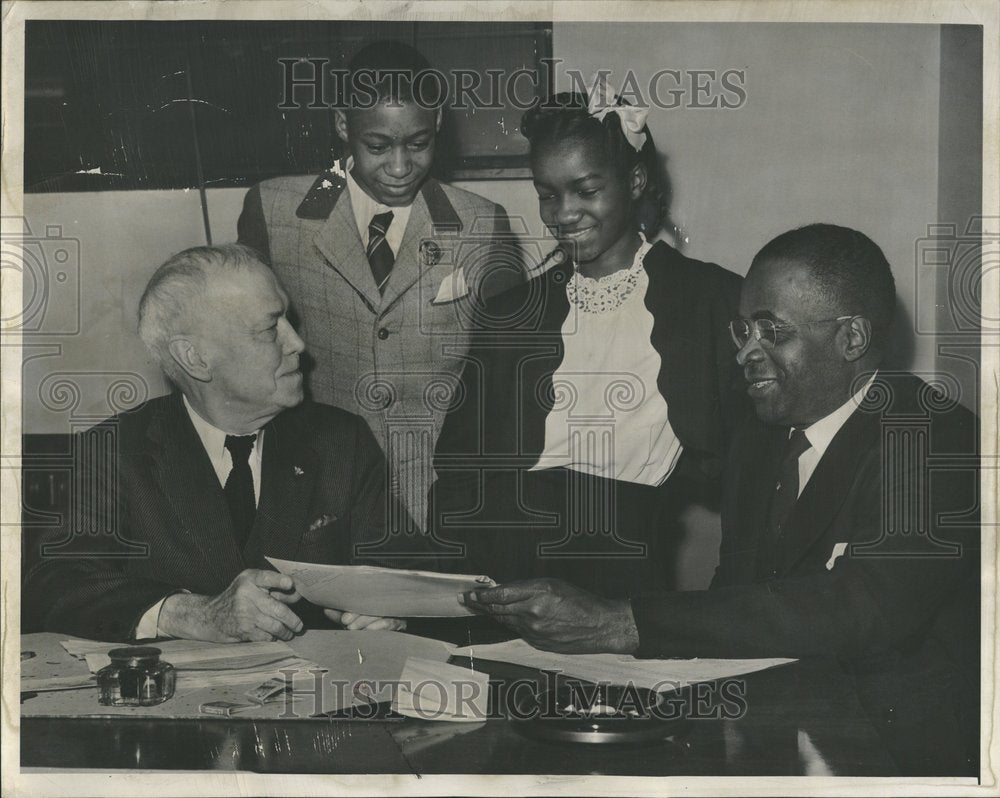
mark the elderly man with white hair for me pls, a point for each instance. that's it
(204, 483)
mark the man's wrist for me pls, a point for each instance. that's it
(625, 634)
(177, 614)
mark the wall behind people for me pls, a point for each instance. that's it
(840, 123)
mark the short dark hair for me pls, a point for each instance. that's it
(850, 268)
(396, 72)
(565, 117)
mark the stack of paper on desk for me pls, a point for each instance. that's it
(201, 664)
(652, 674)
(328, 669)
(387, 592)
(435, 691)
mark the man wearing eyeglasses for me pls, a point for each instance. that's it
(841, 539)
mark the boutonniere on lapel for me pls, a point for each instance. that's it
(430, 253)
(322, 521)
(297, 471)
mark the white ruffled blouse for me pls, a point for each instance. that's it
(609, 418)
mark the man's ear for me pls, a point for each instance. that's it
(858, 338)
(187, 356)
(340, 125)
(637, 180)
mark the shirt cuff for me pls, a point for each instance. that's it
(148, 626)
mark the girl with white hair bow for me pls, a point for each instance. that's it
(597, 398)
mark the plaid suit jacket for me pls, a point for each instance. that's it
(149, 517)
(393, 359)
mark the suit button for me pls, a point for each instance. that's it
(383, 333)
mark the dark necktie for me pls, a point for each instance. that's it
(239, 487)
(783, 498)
(379, 253)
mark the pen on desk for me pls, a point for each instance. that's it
(361, 660)
(472, 662)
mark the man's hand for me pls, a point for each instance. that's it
(555, 615)
(356, 622)
(253, 607)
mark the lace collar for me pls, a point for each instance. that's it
(606, 294)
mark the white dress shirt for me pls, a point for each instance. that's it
(365, 207)
(610, 419)
(820, 433)
(214, 441)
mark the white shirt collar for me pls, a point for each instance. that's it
(821, 433)
(365, 207)
(214, 441)
(212, 438)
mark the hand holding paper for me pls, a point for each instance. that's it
(381, 592)
(253, 607)
(554, 615)
(354, 622)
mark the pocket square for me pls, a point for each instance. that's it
(452, 287)
(838, 551)
(323, 520)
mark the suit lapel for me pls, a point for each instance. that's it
(826, 490)
(757, 477)
(289, 471)
(406, 269)
(339, 241)
(432, 218)
(191, 485)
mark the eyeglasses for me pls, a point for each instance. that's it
(766, 331)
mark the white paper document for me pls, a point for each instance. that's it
(202, 664)
(387, 592)
(431, 690)
(653, 674)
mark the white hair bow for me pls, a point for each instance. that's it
(602, 99)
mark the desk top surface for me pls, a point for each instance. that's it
(798, 719)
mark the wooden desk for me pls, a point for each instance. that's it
(800, 719)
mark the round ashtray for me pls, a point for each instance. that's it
(582, 713)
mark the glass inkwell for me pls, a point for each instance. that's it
(136, 678)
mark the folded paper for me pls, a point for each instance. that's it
(385, 592)
(431, 690)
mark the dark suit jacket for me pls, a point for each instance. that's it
(900, 608)
(149, 516)
(495, 429)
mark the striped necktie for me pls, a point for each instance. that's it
(379, 253)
